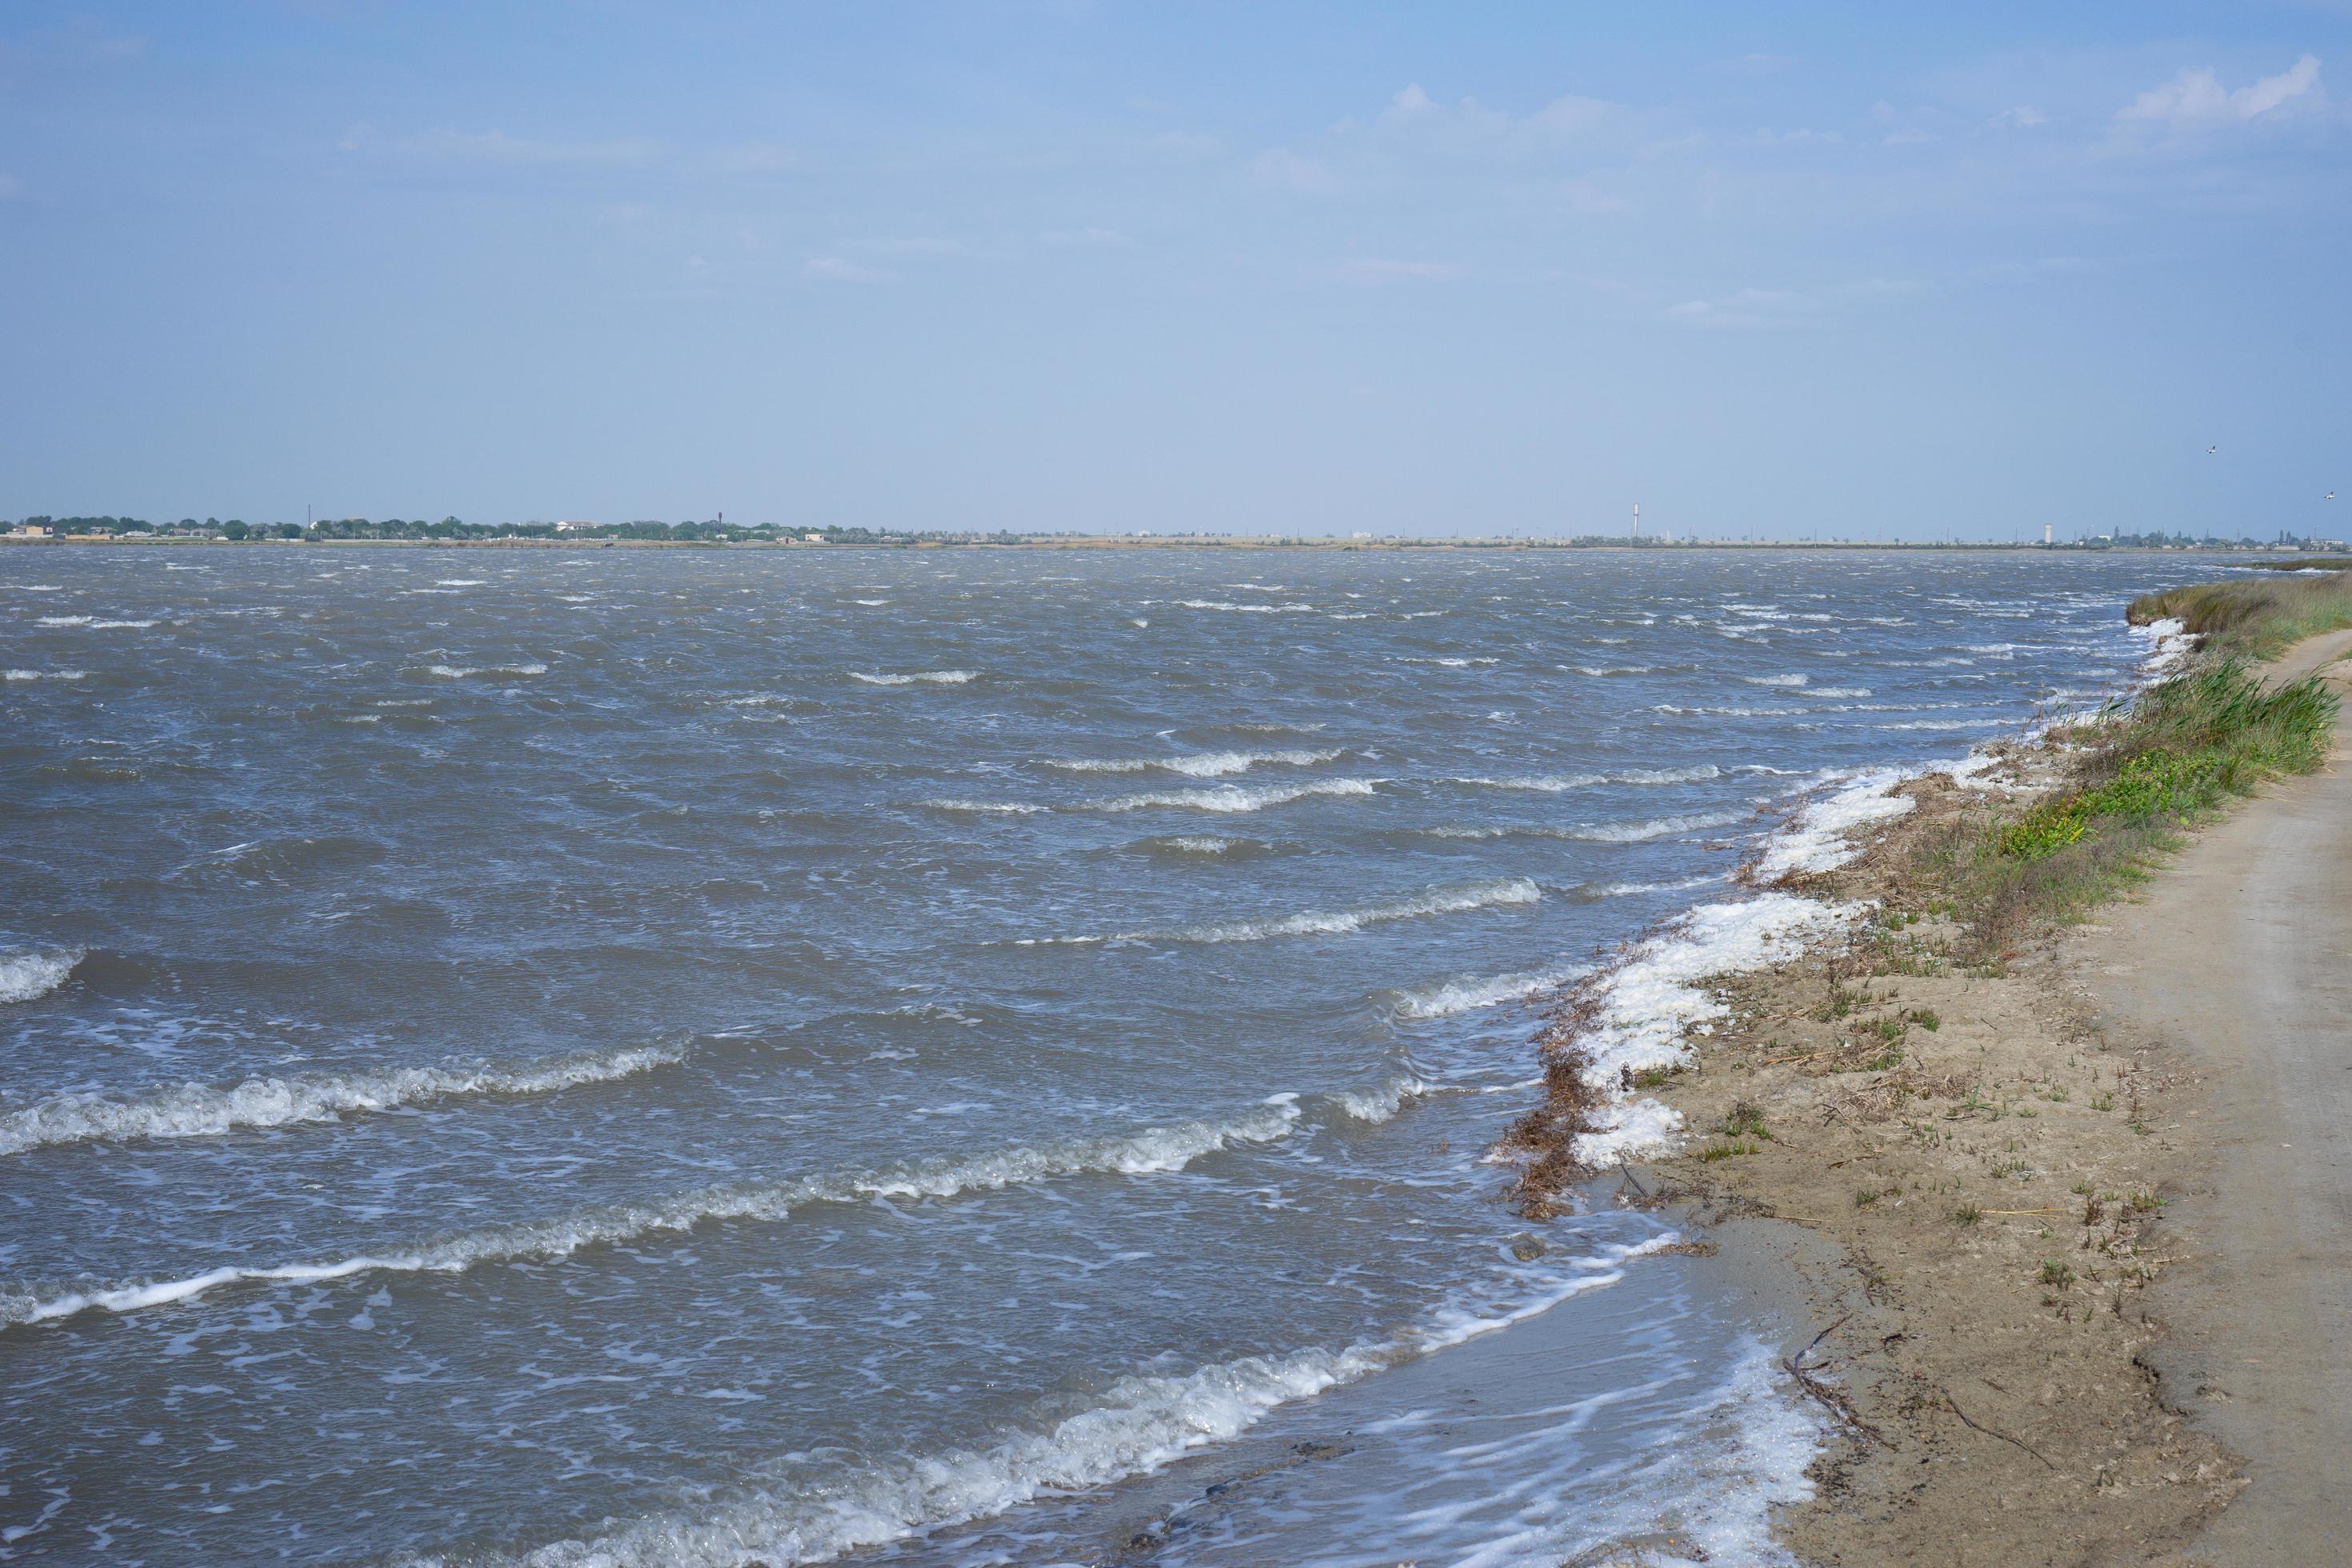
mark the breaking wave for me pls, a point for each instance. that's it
(1599, 832)
(1468, 993)
(934, 677)
(1200, 765)
(1140, 1424)
(26, 975)
(459, 671)
(1155, 1148)
(195, 1110)
(1231, 797)
(1555, 784)
(1336, 922)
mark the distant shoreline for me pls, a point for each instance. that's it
(1219, 542)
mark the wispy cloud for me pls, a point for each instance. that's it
(1088, 239)
(2196, 99)
(1778, 309)
(1281, 166)
(839, 269)
(1379, 269)
(498, 148)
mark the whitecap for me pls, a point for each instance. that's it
(26, 975)
(1234, 798)
(1152, 1149)
(1200, 765)
(1467, 992)
(1335, 923)
(195, 1110)
(48, 675)
(460, 671)
(1555, 784)
(1139, 1424)
(934, 677)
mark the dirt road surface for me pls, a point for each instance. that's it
(2238, 959)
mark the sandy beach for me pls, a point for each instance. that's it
(2083, 1223)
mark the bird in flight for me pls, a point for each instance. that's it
(2210, 450)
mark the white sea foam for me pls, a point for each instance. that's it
(1555, 784)
(1339, 922)
(1598, 670)
(2169, 641)
(1645, 1007)
(460, 671)
(1839, 692)
(1599, 832)
(932, 677)
(48, 675)
(1776, 680)
(63, 621)
(1381, 1104)
(1139, 1424)
(196, 1110)
(1728, 712)
(1199, 764)
(26, 975)
(989, 808)
(459, 582)
(1245, 610)
(1198, 844)
(1155, 1148)
(1467, 993)
(1820, 838)
(1234, 798)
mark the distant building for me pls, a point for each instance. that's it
(31, 530)
(575, 527)
(813, 539)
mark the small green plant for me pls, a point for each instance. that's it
(1865, 1197)
(2143, 1203)
(1927, 1018)
(1967, 1213)
(2055, 1274)
(1745, 1120)
(1654, 1078)
(2103, 1101)
(1715, 1152)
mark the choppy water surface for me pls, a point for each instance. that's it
(645, 1057)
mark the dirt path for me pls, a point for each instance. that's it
(2238, 959)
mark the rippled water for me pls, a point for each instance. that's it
(708, 1057)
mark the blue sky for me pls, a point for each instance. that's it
(1860, 269)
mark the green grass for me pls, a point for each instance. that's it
(2254, 617)
(2187, 746)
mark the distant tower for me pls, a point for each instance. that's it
(1637, 519)
(2045, 535)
